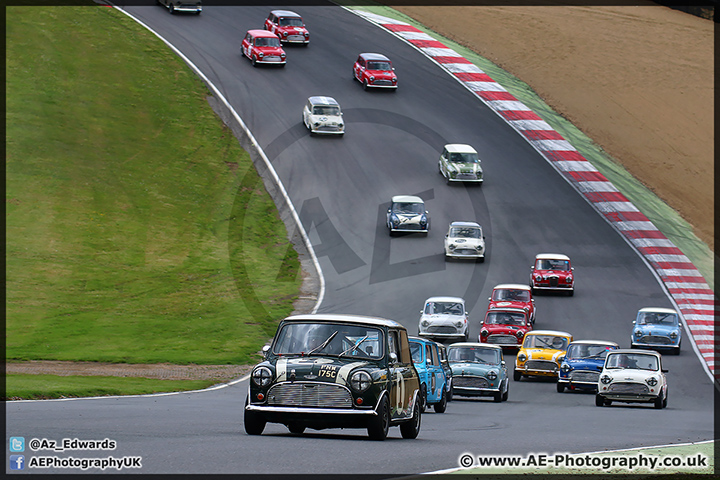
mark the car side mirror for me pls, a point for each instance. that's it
(426, 212)
(572, 268)
(502, 362)
(393, 357)
(664, 370)
(633, 322)
(489, 299)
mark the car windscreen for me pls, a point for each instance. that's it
(657, 318)
(449, 308)
(267, 42)
(545, 341)
(474, 354)
(408, 208)
(505, 318)
(416, 350)
(379, 66)
(632, 360)
(466, 232)
(359, 341)
(290, 22)
(580, 350)
(456, 157)
(560, 265)
(510, 295)
(326, 110)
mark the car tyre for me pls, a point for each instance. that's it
(254, 425)
(411, 429)
(560, 387)
(450, 394)
(665, 400)
(171, 8)
(380, 424)
(599, 401)
(497, 397)
(676, 350)
(571, 292)
(507, 392)
(481, 259)
(296, 429)
(365, 85)
(423, 398)
(517, 376)
(441, 406)
(253, 60)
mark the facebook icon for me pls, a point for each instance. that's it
(17, 462)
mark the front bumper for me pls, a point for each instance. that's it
(540, 372)
(188, 8)
(443, 336)
(629, 398)
(465, 180)
(328, 129)
(419, 229)
(317, 417)
(456, 254)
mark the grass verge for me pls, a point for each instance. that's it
(123, 190)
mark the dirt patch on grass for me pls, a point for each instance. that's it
(158, 371)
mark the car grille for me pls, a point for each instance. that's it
(655, 339)
(633, 388)
(410, 226)
(382, 82)
(503, 339)
(304, 394)
(295, 38)
(542, 365)
(441, 329)
(584, 376)
(328, 128)
(466, 176)
(470, 382)
(465, 251)
(553, 281)
(272, 58)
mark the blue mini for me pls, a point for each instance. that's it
(582, 364)
(433, 381)
(657, 328)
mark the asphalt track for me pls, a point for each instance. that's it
(341, 187)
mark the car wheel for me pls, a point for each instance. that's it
(665, 400)
(411, 429)
(254, 425)
(380, 424)
(171, 7)
(353, 75)
(296, 429)
(481, 259)
(560, 387)
(253, 60)
(517, 376)
(599, 401)
(450, 394)
(423, 398)
(571, 292)
(676, 350)
(447, 180)
(365, 85)
(507, 392)
(497, 397)
(442, 404)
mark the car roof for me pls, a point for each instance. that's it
(422, 340)
(552, 256)
(593, 342)
(476, 344)
(407, 199)
(636, 350)
(548, 332)
(321, 100)
(445, 299)
(465, 224)
(459, 148)
(261, 33)
(657, 310)
(285, 13)
(333, 318)
(374, 56)
(518, 286)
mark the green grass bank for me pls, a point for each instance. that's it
(136, 227)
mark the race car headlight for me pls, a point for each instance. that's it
(538, 278)
(360, 381)
(341, 125)
(484, 332)
(673, 335)
(638, 333)
(372, 78)
(652, 381)
(282, 55)
(568, 279)
(565, 367)
(492, 375)
(424, 323)
(519, 334)
(260, 54)
(423, 220)
(606, 379)
(522, 357)
(284, 34)
(307, 34)
(459, 324)
(262, 376)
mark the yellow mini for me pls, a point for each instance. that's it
(541, 354)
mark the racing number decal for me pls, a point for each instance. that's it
(399, 391)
